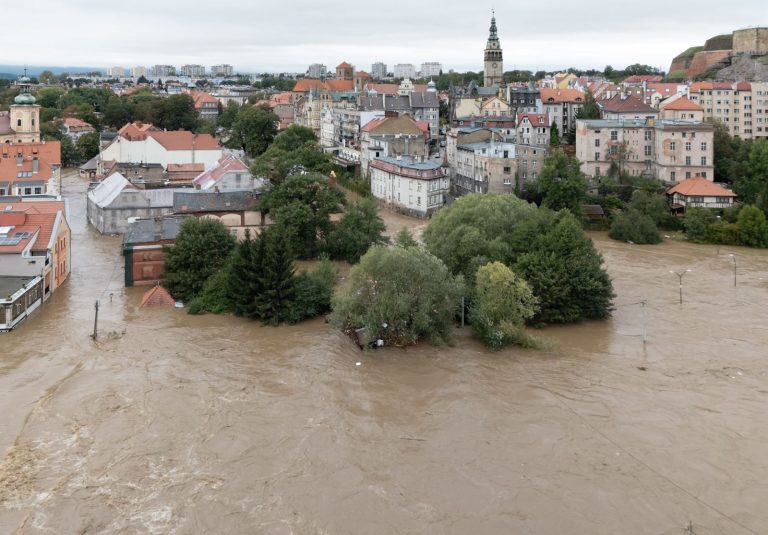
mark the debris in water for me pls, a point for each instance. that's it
(358, 363)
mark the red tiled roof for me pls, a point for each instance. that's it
(701, 187)
(682, 104)
(743, 86)
(343, 65)
(536, 119)
(708, 86)
(74, 122)
(185, 140)
(630, 104)
(38, 218)
(202, 98)
(48, 154)
(157, 296)
(226, 164)
(549, 95)
(362, 74)
(305, 85)
(280, 98)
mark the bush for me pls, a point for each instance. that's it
(359, 228)
(631, 225)
(399, 295)
(696, 222)
(753, 227)
(503, 302)
(214, 296)
(313, 292)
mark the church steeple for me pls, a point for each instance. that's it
(493, 67)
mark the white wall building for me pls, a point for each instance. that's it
(226, 70)
(138, 71)
(431, 69)
(379, 70)
(405, 70)
(164, 148)
(116, 72)
(317, 70)
(415, 188)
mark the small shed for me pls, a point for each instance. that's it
(157, 296)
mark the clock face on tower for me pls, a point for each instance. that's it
(493, 65)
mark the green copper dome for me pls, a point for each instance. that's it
(25, 99)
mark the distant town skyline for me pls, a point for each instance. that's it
(264, 38)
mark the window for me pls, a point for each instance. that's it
(687, 145)
(18, 122)
(597, 171)
(507, 170)
(703, 160)
(647, 135)
(687, 160)
(703, 145)
(614, 150)
(687, 174)
(672, 145)
(614, 135)
(597, 142)
(672, 176)
(597, 156)
(647, 150)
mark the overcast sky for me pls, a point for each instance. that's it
(257, 36)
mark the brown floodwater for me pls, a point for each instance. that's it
(173, 423)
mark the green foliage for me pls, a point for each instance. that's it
(244, 273)
(696, 223)
(753, 228)
(359, 228)
(87, 146)
(752, 186)
(303, 204)
(49, 97)
(277, 280)
(293, 151)
(69, 153)
(548, 249)
(405, 238)
(503, 303)
(254, 129)
(399, 295)
(201, 249)
(213, 297)
(590, 110)
(561, 183)
(177, 112)
(278, 83)
(635, 226)
(229, 114)
(554, 135)
(117, 112)
(650, 204)
(313, 292)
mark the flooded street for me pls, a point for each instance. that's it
(203, 424)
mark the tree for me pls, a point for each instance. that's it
(650, 204)
(303, 204)
(404, 238)
(399, 295)
(696, 223)
(202, 247)
(69, 153)
(477, 229)
(503, 303)
(277, 280)
(117, 112)
(142, 80)
(590, 109)
(561, 183)
(254, 129)
(359, 228)
(48, 97)
(229, 114)
(752, 186)
(753, 228)
(554, 135)
(313, 292)
(88, 146)
(243, 281)
(47, 77)
(635, 226)
(177, 112)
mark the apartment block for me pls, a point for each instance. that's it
(405, 70)
(379, 70)
(742, 107)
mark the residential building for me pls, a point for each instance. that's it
(75, 128)
(163, 71)
(665, 149)
(379, 70)
(207, 106)
(22, 122)
(623, 107)
(30, 169)
(317, 70)
(229, 174)
(524, 98)
(734, 105)
(115, 200)
(392, 137)
(222, 70)
(138, 72)
(116, 72)
(144, 246)
(493, 70)
(345, 71)
(405, 70)
(562, 105)
(237, 210)
(409, 185)
(532, 129)
(35, 256)
(698, 192)
(138, 143)
(361, 80)
(421, 105)
(193, 71)
(681, 109)
(431, 69)
(494, 107)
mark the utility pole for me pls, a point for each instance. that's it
(680, 275)
(95, 322)
(733, 257)
(645, 337)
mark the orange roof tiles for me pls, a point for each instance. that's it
(157, 296)
(700, 187)
(185, 140)
(38, 218)
(549, 95)
(343, 65)
(536, 119)
(48, 154)
(305, 85)
(682, 104)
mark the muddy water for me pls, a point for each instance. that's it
(181, 424)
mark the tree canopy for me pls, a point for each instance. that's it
(253, 129)
(561, 183)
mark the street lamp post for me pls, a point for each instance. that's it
(733, 257)
(680, 275)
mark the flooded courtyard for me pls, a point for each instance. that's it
(173, 423)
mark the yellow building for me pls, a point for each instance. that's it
(22, 122)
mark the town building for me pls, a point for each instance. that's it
(532, 129)
(698, 192)
(379, 70)
(742, 107)
(345, 71)
(206, 105)
(193, 71)
(392, 137)
(421, 102)
(116, 72)
(115, 200)
(431, 69)
(493, 70)
(139, 143)
(681, 109)
(623, 107)
(317, 70)
(229, 174)
(405, 70)
(562, 105)
(222, 70)
(163, 71)
(35, 256)
(668, 150)
(30, 169)
(138, 72)
(524, 98)
(237, 210)
(409, 185)
(144, 244)
(75, 128)
(22, 122)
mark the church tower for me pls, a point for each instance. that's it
(25, 114)
(494, 68)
